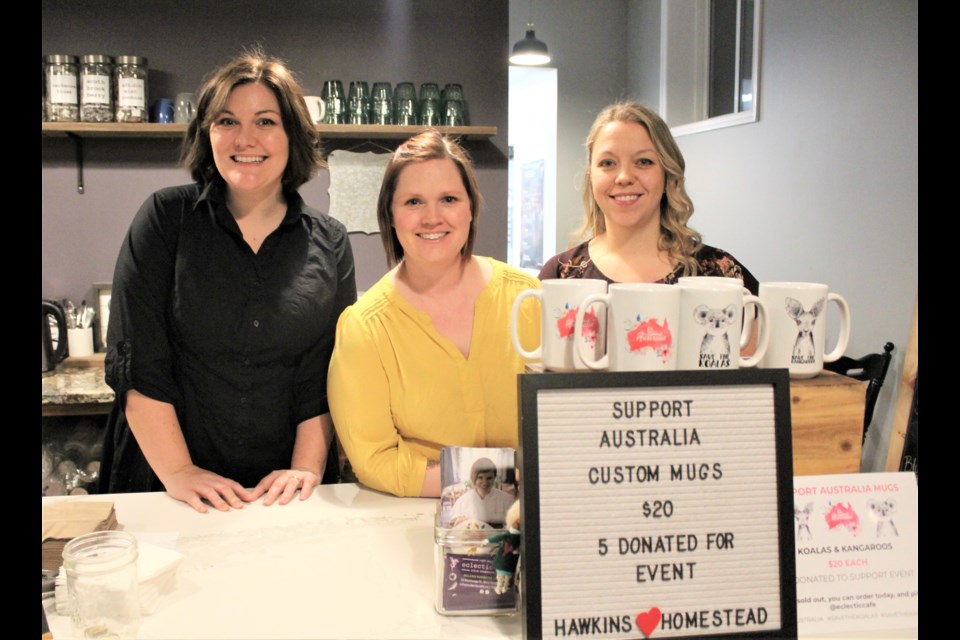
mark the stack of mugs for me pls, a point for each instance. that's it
(702, 323)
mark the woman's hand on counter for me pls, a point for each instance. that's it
(314, 439)
(193, 485)
(282, 485)
(157, 430)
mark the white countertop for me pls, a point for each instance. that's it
(348, 562)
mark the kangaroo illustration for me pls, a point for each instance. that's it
(715, 347)
(803, 349)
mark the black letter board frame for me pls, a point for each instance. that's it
(529, 387)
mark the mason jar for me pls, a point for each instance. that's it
(96, 94)
(130, 87)
(102, 585)
(60, 73)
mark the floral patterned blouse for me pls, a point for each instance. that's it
(576, 263)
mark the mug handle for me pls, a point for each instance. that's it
(594, 298)
(844, 338)
(537, 353)
(763, 339)
(747, 322)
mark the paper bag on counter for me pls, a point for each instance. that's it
(61, 522)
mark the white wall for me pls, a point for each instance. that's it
(824, 187)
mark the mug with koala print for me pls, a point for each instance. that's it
(711, 325)
(798, 326)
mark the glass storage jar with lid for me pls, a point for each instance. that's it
(96, 94)
(131, 89)
(60, 73)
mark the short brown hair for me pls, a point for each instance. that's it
(254, 66)
(676, 237)
(429, 145)
(480, 466)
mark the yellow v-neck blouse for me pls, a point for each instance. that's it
(399, 391)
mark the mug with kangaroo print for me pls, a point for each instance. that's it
(798, 326)
(711, 326)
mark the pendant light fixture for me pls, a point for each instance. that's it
(530, 51)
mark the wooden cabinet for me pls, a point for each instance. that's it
(827, 415)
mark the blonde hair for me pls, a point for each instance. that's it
(676, 238)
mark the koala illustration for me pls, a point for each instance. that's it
(882, 511)
(802, 516)
(715, 342)
(803, 349)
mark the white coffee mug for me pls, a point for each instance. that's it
(316, 107)
(641, 323)
(730, 282)
(711, 327)
(80, 342)
(798, 326)
(559, 301)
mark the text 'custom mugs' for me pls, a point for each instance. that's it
(642, 321)
(711, 326)
(559, 301)
(798, 326)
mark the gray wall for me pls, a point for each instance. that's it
(824, 187)
(588, 42)
(423, 41)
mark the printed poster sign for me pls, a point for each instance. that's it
(661, 504)
(857, 538)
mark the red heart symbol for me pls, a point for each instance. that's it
(647, 621)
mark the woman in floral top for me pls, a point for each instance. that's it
(636, 208)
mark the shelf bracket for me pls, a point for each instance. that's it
(78, 145)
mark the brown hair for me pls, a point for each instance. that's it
(480, 466)
(679, 240)
(254, 66)
(429, 145)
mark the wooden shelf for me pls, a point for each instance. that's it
(327, 131)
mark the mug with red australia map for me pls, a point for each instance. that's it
(564, 346)
(641, 321)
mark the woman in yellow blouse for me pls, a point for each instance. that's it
(423, 360)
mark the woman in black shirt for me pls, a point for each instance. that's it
(224, 304)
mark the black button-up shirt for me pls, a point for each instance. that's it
(238, 342)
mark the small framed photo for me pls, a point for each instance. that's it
(478, 486)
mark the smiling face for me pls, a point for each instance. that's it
(431, 212)
(250, 146)
(627, 176)
(484, 482)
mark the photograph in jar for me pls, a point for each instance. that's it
(478, 486)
